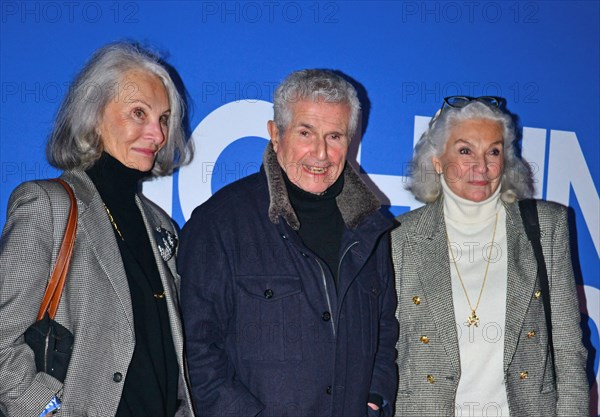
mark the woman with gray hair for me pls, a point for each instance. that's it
(484, 330)
(120, 122)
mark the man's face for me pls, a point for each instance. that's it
(313, 149)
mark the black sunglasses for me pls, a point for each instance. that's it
(457, 102)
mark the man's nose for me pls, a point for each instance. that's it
(320, 148)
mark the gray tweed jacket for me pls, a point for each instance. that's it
(422, 268)
(95, 305)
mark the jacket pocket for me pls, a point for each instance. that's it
(369, 290)
(269, 318)
(549, 379)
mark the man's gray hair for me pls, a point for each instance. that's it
(315, 85)
(424, 182)
(74, 141)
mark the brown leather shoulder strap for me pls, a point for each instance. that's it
(61, 268)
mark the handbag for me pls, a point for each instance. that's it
(51, 342)
(529, 214)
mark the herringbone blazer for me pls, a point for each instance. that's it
(95, 306)
(422, 268)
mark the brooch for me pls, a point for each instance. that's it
(167, 242)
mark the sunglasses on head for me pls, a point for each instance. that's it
(457, 102)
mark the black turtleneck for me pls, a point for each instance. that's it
(150, 388)
(321, 223)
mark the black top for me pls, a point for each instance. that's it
(321, 223)
(150, 387)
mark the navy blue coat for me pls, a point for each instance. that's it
(266, 331)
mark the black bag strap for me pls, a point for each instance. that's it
(529, 214)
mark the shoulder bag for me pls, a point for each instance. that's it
(51, 342)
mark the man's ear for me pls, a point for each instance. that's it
(274, 134)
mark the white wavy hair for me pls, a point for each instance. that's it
(74, 142)
(424, 183)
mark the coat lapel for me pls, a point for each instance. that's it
(166, 275)
(522, 273)
(428, 241)
(94, 222)
(167, 271)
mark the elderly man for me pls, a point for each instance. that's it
(287, 288)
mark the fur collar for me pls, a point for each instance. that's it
(355, 201)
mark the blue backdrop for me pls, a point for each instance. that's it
(542, 56)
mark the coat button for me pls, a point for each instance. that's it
(424, 339)
(537, 294)
(524, 375)
(329, 390)
(431, 379)
(416, 300)
(117, 377)
(326, 316)
(531, 334)
(268, 293)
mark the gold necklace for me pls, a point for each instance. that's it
(473, 319)
(113, 222)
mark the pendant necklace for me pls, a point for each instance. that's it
(113, 222)
(157, 295)
(473, 319)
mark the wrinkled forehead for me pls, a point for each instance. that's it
(321, 112)
(476, 131)
(140, 82)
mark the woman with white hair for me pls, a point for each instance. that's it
(120, 122)
(480, 332)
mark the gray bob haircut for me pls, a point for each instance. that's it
(315, 85)
(74, 142)
(424, 182)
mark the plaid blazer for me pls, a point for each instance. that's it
(422, 268)
(95, 305)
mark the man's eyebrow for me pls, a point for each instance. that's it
(312, 127)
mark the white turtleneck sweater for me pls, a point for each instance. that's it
(470, 226)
